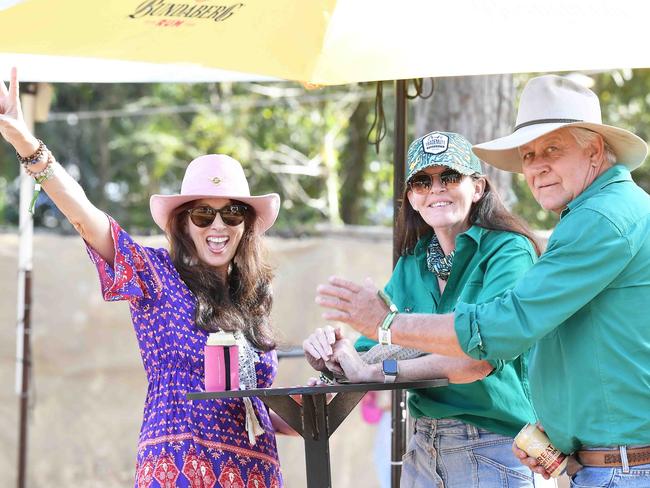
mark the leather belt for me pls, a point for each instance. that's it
(612, 457)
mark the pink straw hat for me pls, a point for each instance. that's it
(216, 176)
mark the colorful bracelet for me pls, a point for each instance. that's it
(34, 158)
(39, 174)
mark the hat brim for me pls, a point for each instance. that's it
(503, 152)
(464, 170)
(266, 207)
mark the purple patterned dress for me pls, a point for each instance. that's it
(199, 444)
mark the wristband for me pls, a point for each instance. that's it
(327, 377)
(383, 331)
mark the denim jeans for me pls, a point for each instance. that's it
(448, 453)
(623, 477)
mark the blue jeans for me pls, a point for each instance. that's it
(452, 454)
(623, 477)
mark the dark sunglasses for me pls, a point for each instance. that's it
(231, 215)
(422, 182)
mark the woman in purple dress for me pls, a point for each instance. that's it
(213, 278)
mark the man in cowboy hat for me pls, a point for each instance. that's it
(580, 308)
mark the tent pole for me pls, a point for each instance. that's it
(23, 341)
(398, 408)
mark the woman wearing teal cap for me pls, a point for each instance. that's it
(457, 242)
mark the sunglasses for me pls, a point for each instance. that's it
(421, 183)
(231, 215)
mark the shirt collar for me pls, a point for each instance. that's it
(474, 232)
(615, 174)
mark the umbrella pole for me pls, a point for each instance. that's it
(398, 407)
(23, 349)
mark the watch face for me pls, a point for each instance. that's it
(390, 367)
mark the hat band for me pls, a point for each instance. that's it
(546, 121)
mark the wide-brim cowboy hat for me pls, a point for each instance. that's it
(216, 176)
(552, 102)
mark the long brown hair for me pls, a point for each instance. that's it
(241, 303)
(489, 212)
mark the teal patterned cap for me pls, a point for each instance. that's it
(442, 149)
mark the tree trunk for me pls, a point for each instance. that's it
(480, 108)
(353, 165)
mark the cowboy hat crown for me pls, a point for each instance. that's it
(549, 103)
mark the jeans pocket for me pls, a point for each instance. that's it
(590, 477)
(419, 470)
(498, 466)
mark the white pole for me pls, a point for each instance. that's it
(25, 233)
(23, 326)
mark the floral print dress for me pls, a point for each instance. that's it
(198, 444)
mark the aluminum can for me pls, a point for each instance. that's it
(537, 445)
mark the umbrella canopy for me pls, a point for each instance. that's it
(69, 69)
(337, 41)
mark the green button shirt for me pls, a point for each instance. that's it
(584, 307)
(485, 265)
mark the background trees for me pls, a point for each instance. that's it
(126, 142)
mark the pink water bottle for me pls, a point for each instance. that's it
(221, 362)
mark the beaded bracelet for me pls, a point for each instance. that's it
(35, 157)
(39, 174)
(40, 178)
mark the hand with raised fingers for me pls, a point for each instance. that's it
(12, 123)
(359, 306)
(529, 461)
(318, 347)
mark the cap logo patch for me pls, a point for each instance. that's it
(216, 180)
(435, 143)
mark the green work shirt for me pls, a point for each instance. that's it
(582, 308)
(486, 264)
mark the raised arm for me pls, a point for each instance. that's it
(91, 223)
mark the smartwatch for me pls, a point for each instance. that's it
(389, 367)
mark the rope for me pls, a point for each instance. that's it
(377, 131)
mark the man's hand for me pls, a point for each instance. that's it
(531, 462)
(359, 306)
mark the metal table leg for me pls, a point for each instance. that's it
(315, 421)
(316, 436)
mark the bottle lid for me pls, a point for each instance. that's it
(221, 339)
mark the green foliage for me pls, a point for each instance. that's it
(624, 98)
(126, 142)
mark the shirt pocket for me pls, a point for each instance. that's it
(471, 292)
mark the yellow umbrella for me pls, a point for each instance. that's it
(337, 41)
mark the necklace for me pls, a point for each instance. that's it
(437, 262)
